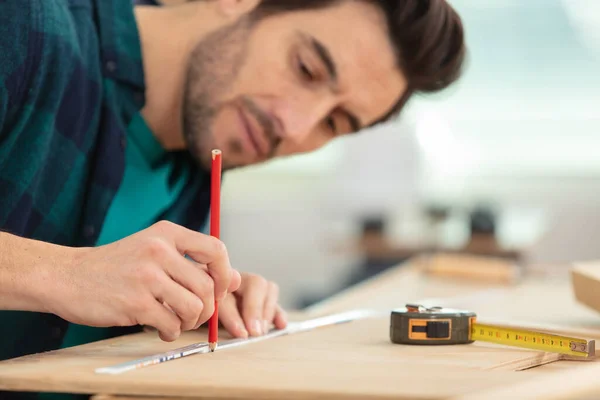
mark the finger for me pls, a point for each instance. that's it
(186, 305)
(280, 320)
(195, 278)
(204, 249)
(236, 281)
(270, 307)
(157, 316)
(230, 317)
(253, 304)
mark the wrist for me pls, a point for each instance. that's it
(51, 277)
(30, 273)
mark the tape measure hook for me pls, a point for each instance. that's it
(418, 308)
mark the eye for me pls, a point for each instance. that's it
(331, 124)
(305, 71)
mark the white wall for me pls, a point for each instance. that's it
(521, 130)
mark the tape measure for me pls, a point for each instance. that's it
(419, 325)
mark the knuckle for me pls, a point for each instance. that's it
(155, 248)
(257, 280)
(208, 288)
(193, 309)
(163, 226)
(150, 276)
(218, 246)
(197, 307)
(208, 309)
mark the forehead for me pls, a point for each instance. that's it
(356, 34)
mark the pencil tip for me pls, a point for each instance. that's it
(212, 347)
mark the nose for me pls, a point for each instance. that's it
(301, 112)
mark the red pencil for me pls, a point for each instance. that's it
(215, 230)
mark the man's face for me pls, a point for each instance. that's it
(289, 83)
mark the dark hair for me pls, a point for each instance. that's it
(428, 37)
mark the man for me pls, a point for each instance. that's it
(107, 119)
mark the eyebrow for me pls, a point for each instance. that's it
(327, 59)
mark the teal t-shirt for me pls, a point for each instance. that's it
(146, 191)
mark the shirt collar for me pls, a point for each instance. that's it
(120, 44)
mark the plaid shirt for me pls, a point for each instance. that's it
(71, 78)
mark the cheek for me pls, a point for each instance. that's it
(266, 70)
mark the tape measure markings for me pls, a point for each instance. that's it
(530, 339)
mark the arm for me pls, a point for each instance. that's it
(24, 266)
(143, 279)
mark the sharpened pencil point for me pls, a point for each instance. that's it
(212, 347)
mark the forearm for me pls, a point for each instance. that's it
(27, 280)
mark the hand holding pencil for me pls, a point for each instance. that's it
(255, 306)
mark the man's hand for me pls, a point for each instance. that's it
(252, 308)
(144, 279)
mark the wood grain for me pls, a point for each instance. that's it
(347, 361)
(355, 359)
(578, 382)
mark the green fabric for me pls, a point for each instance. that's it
(71, 83)
(146, 191)
(148, 170)
(71, 79)
(71, 87)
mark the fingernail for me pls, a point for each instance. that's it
(256, 327)
(242, 330)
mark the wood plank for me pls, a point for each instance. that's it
(586, 284)
(578, 382)
(355, 360)
(346, 361)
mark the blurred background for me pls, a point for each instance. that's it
(507, 164)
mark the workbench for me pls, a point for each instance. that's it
(354, 360)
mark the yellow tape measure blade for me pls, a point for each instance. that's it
(571, 346)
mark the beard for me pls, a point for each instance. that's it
(213, 66)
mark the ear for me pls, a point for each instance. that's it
(237, 8)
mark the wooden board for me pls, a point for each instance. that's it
(355, 359)
(346, 361)
(579, 382)
(533, 301)
(586, 284)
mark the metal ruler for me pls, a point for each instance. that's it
(420, 325)
(203, 347)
